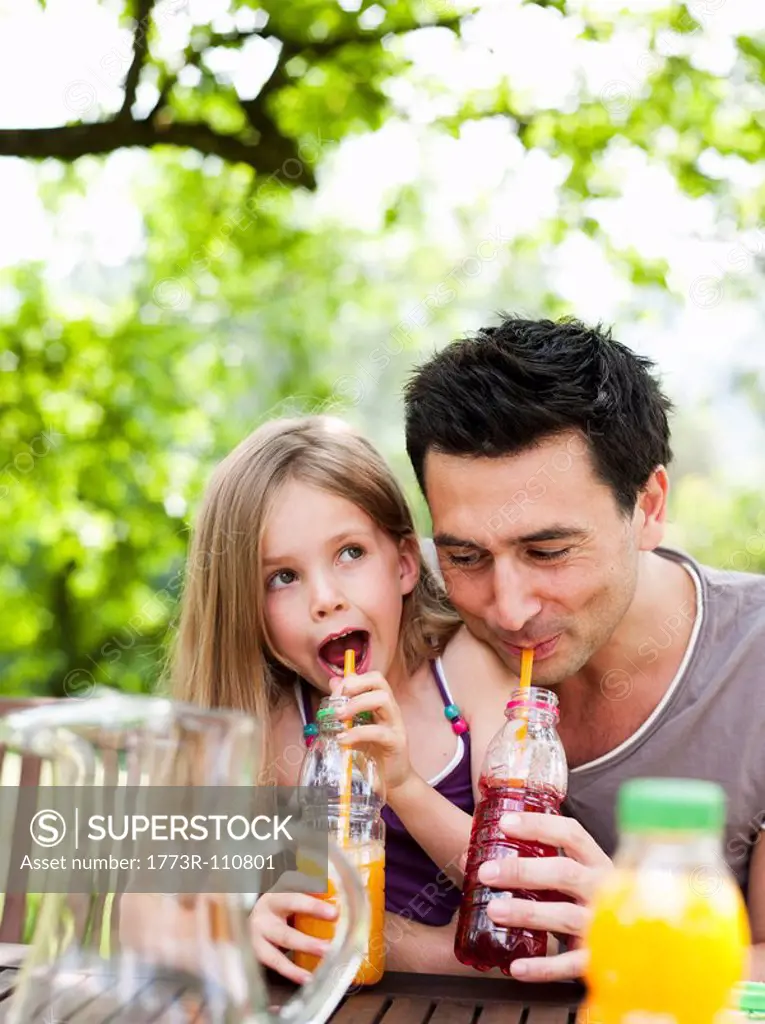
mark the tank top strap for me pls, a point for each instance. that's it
(303, 700)
(443, 687)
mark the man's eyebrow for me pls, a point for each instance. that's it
(553, 533)
(448, 540)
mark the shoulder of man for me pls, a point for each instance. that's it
(734, 600)
(724, 578)
(734, 575)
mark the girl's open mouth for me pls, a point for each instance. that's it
(332, 651)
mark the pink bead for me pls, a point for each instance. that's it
(459, 725)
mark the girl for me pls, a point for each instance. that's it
(305, 545)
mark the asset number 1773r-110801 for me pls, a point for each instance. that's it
(216, 862)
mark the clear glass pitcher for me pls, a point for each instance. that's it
(171, 957)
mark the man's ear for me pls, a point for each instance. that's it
(652, 510)
(408, 564)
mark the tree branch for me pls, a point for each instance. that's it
(298, 44)
(62, 608)
(140, 50)
(256, 109)
(263, 147)
(164, 95)
(269, 154)
(234, 38)
(295, 45)
(82, 672)
(327, 46)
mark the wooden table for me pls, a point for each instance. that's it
(449, 999)
(397, 999)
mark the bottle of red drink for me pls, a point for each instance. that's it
(524, 770)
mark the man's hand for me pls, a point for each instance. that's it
(387, 735)
(577, 874)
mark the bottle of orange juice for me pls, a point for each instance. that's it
(669, 936)
(356, 798)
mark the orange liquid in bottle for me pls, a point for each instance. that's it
(662, 950)
(370, 862)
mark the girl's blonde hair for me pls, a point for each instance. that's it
(221, 656)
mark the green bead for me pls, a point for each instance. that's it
(364, 718)
(452, 711)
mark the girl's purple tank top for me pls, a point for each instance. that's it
(415, 887)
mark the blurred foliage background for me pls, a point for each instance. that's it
(269, 207)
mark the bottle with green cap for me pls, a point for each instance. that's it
(750, 1001)
(669, 934)
(357, 825)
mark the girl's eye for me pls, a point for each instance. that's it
(280, 579)
(353, 551)
(549, 556)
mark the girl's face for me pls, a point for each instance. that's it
(332, 579)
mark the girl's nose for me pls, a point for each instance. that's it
(326, 599)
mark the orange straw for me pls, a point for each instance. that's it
(349, 669)
(527, 660)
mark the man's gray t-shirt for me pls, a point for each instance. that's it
(711, 722)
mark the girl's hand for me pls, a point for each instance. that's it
(271, 931)
(371, 692)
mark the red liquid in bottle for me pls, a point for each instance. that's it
(479, 942)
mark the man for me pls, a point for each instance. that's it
(541, 449)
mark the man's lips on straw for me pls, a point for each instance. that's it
(541, 648)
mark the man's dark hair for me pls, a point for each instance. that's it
(509, 387)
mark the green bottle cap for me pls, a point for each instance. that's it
(331, 710)
(363, 717)
(676, 805)
(751, 997)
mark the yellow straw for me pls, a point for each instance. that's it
(349, 663)
(527, 660)
(349, 669)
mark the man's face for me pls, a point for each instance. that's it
(535, 552)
